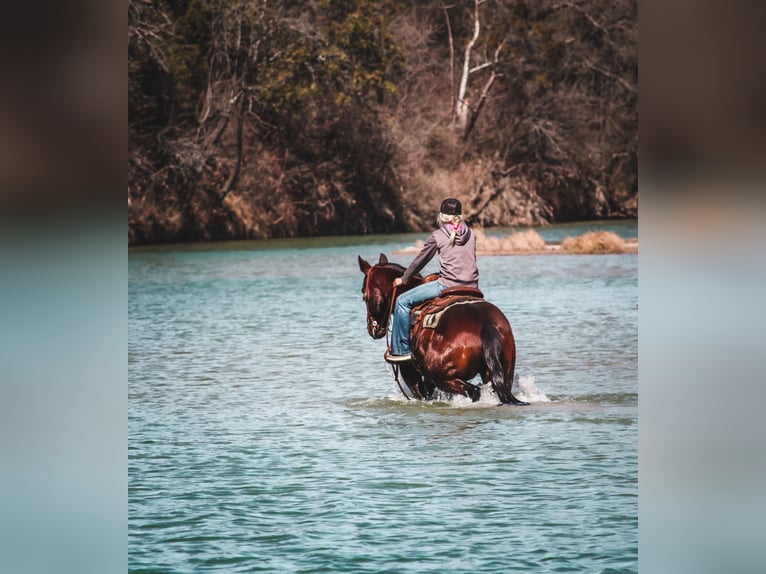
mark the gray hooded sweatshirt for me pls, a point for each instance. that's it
(457, 263)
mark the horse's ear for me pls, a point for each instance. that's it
(363, 265)
(383, 259)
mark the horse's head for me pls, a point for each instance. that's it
(377, 289)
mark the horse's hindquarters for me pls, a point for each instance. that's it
(469, 340)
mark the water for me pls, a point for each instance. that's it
(266, 434)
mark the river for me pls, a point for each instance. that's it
(267, 434)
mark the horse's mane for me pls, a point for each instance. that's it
(397, 267)
(393, 267)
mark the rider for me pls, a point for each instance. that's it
(456, 245)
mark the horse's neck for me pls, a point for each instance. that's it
(418, 280)
(396, 272)
(396, 291)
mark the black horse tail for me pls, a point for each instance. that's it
(492, 347)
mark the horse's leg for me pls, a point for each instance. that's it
(460, 387)
(434, 377)
(420, 387)
(424, 386)
(427, 389)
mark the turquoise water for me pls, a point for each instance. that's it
(266, 434)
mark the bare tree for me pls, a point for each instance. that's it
(466, 111)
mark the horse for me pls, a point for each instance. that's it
(469, 339)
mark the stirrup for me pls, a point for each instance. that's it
(397, 358)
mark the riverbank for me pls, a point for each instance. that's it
(529, 242)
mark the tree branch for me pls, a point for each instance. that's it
(481, 67)
(453, 105)
(593, 22)
(234, 176)
(484, 92)
(462, 104)
(482, 98)
(631, 88)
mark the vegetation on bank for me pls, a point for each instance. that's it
(594, 242)
(530, 242)
(252, 119)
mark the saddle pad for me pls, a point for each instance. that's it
(431, 320)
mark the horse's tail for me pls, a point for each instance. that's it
(492, 347)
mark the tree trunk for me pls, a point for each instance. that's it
(231, 182)
(462, 104)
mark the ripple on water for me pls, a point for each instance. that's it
(267, 435)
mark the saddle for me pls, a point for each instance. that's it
(427, 314)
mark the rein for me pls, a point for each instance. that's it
(388, 316)
(395, 367)
(394, 293)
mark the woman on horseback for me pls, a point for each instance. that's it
(456, 245)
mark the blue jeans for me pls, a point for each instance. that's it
(400, 328)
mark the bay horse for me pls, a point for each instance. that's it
(469, 339)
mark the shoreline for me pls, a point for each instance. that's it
(631, 246)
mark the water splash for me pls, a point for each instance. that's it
(524, 389)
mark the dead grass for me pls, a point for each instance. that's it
(518, 242)
(530, 242)
(594, 242)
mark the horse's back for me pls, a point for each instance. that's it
(476, 315)
(460, 316)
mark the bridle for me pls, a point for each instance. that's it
(372, 323)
